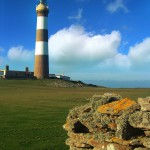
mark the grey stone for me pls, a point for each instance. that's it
(75, 148)
(147, 133)
(144, 103)
(141, 148)
(113, 146)
(98, 100)
(124, 129)
(146, 142)
(140, 120)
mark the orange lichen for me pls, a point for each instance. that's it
(112, 126)
(116, 107)
(66, 126)
(120, 141)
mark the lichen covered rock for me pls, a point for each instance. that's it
(146, 142)
(117, 107)
(140, 119)
(108, 122)
(144, 103)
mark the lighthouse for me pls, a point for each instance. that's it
(41, 64)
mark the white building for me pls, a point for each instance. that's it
(59, 77)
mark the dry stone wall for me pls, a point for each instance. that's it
(109, 122)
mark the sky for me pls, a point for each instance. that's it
(88, 39)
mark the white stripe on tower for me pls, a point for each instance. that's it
(42, 22)
(41, 68)
(41, 48)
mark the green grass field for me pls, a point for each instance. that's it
(32, 113)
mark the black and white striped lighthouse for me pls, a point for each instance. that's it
(41, 66)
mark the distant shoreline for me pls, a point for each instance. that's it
(97, 83)
(120, 84)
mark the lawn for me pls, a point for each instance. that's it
(32, 113)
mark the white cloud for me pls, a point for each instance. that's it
(118, 61)
(140, 53)
(20, 54)
(77, 17)
(116, 5)
(138, 57)
(73, 50)
(74, 45)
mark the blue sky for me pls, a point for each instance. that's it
(88, 39)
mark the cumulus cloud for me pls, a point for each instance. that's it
(118, 61)
(114, 6)
(20, 54)
(75, 50)
(74, 45)
(139, 54)
(78, 16)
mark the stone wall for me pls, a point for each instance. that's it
(109, 122)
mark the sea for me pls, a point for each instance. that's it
(120, 84)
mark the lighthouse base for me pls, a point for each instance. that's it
(41, 67)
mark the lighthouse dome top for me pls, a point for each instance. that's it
(41, 7)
